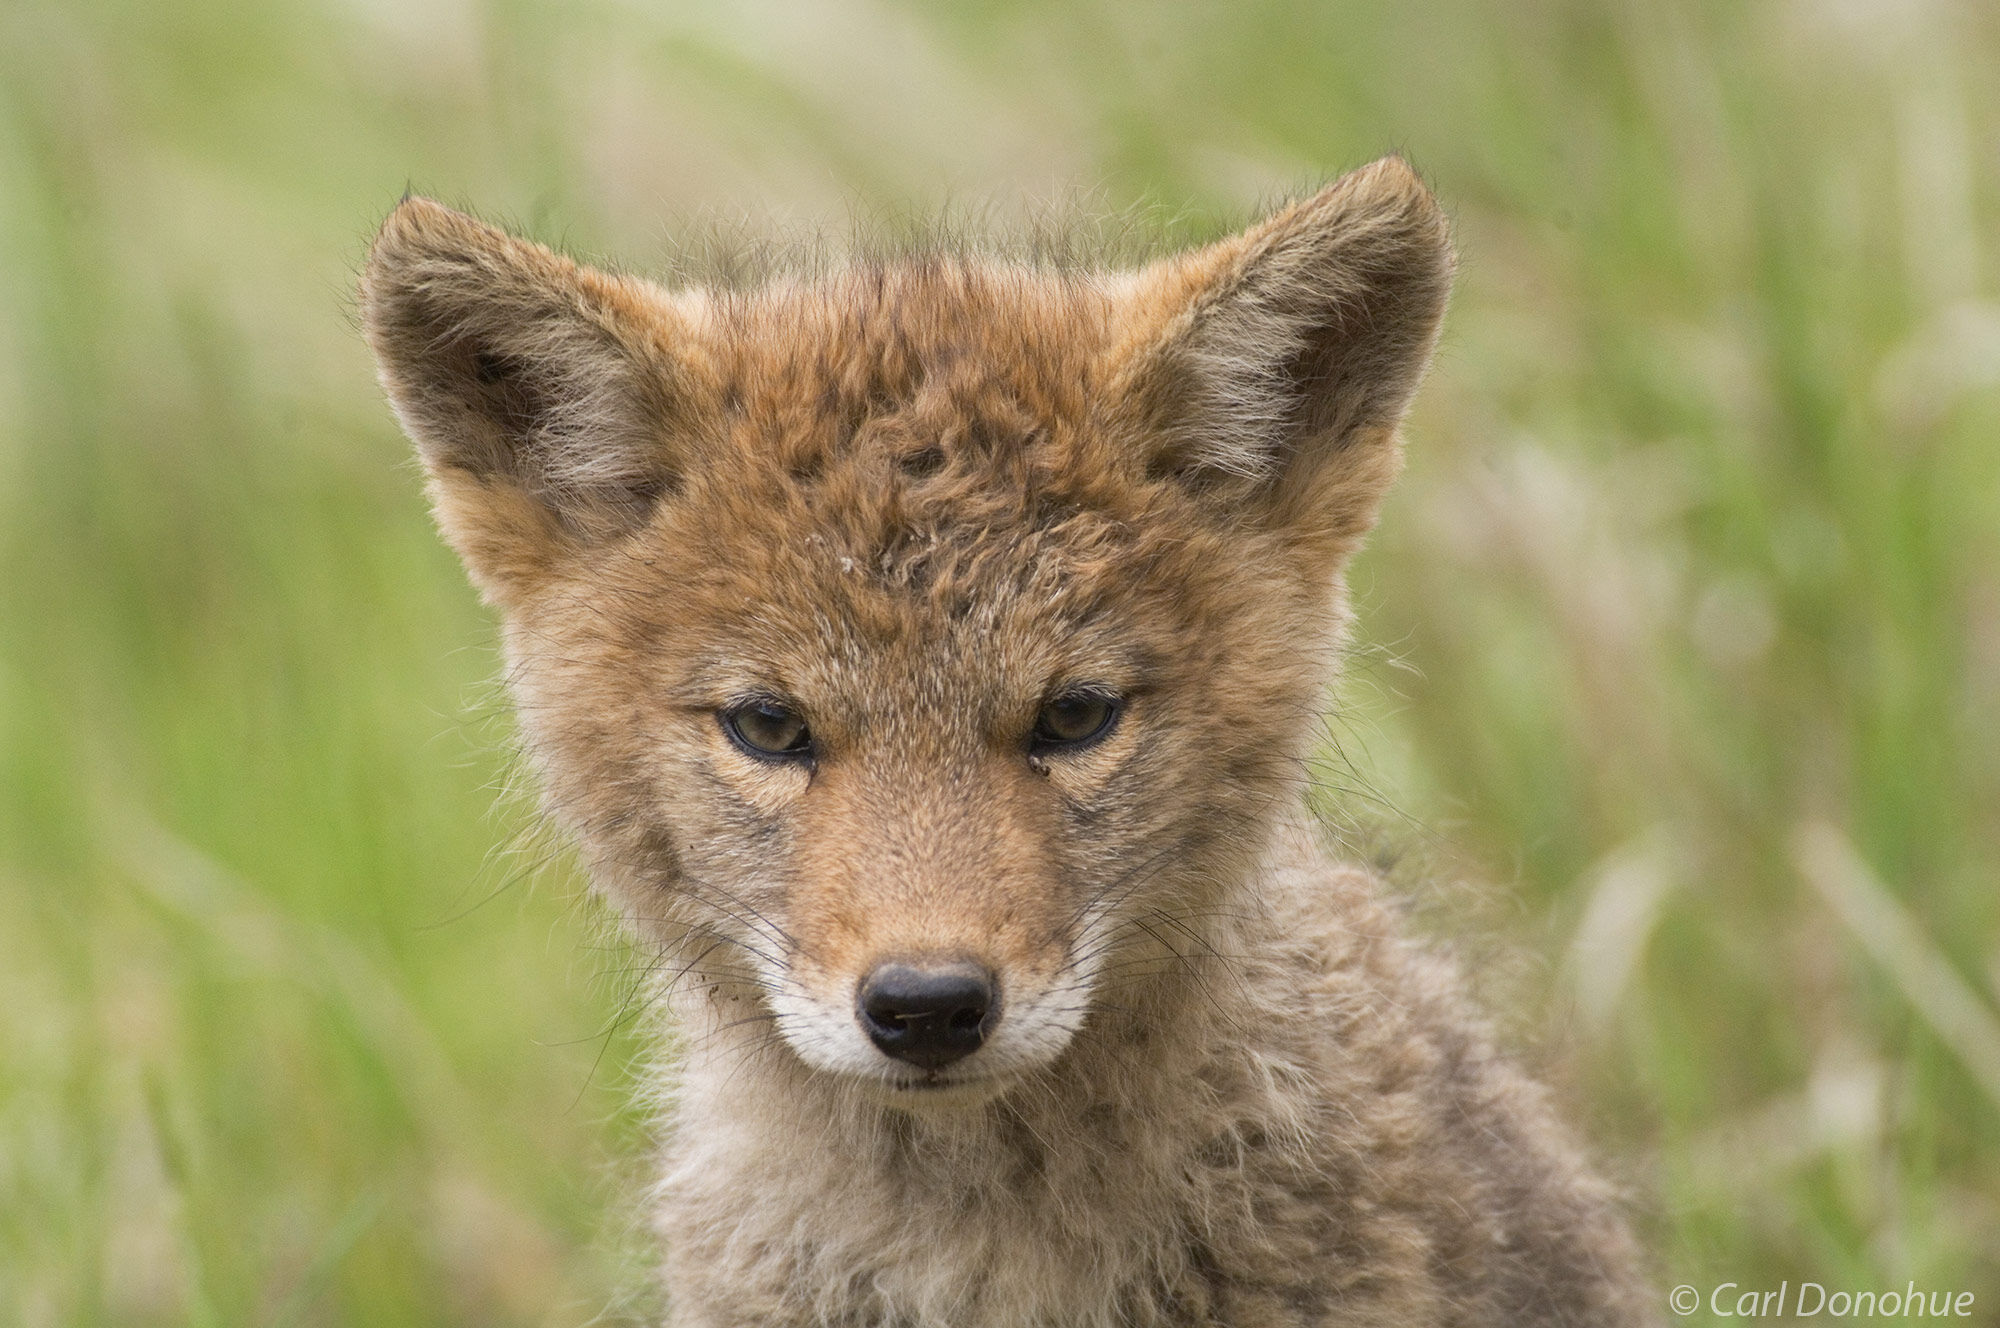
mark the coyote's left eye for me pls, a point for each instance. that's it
(768, 729)
(1075, 718)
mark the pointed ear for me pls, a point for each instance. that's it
(1269, 371)
(546, 399)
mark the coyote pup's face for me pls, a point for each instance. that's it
(915, 651)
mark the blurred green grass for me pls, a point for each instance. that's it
(1699, 549)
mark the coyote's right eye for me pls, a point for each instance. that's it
(768, 729)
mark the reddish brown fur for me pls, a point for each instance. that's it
(915, 500)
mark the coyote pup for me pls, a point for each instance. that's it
(924, 657)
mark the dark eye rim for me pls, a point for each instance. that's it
(802, 752)
(1040, 744)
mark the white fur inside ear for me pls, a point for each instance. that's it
(510, 364)
(1243, 401)
(1294, 334)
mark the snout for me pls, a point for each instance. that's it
(928, 1014)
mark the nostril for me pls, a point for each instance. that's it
(929, 1016)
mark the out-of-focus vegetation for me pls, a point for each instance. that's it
(1680, 644)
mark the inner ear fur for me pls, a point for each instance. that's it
(1270, 370)
(543, 395)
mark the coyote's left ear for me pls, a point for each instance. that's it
(1269, 371)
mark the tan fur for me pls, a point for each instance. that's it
(914, 500)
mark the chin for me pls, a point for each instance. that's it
(935, 1094)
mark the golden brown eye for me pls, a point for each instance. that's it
(1075, 718)
(768, 729)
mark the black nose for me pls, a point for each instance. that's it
(929, 1017)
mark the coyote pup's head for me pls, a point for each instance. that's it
(918, 651)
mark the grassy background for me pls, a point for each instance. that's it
(1681, 641)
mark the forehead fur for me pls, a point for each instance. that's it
(905, 467)
(930, 425)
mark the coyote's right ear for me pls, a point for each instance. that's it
(549, 401)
